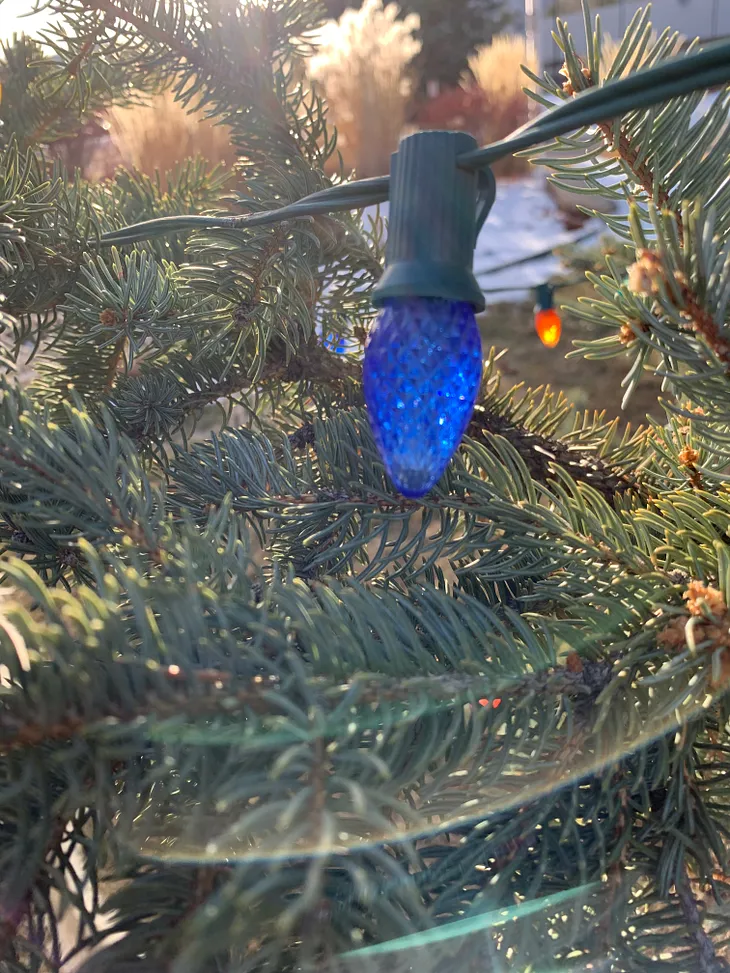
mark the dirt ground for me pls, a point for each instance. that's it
(588, 384)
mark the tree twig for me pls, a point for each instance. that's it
(710, 962)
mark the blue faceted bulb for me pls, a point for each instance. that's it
(422, 371)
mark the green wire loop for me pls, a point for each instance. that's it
(672, 79)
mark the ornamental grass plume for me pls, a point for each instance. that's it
(496, 70)
(362, 66)
(158, 133)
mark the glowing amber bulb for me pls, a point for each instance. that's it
(548, 326)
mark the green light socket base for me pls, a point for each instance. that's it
(432, 221)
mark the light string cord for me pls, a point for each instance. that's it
(529, 258)
(674, 78)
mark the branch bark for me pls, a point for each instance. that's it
(709, 961)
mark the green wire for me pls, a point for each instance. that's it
(679, 76)
(548, 252)
(531, 287)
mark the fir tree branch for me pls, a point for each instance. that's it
(115, 360)
(165, 39)
(10, 921)
(18, 736)
(174, 692)
(617, 139)
(213, 71)
(539, 452)
(12, 917)
(709, 961)
(71, 69)
(649, 276)
(189, 385)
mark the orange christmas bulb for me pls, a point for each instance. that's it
(548, 326)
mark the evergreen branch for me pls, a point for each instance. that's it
(37, 136)
(152, 406)
(13, 916)
(48, 95)
(322, 516)
(664, 152)
(300, 716)
(649, 276)
(225, 83)
(73, 482)
(167, 40)
(527, 419)
(370, 682)
(117, 359)
(197, 694)
(540, 453)
(215, 695)
(617, 137)
(709, 961)
(674, 293)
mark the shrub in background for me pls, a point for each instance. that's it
(450, 31)
(462, 109)
(490, 101)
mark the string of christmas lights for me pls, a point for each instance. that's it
(423, 360)
(647, 87)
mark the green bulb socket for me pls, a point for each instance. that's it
(544, 297)
(436, 212)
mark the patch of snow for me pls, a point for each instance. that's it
(524, 220)
(708, 100)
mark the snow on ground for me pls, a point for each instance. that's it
(524, 220)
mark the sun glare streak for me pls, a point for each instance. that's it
(528, 745)
(16, 17)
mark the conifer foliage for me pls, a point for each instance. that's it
(257, 712)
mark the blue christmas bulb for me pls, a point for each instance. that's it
(422, 370)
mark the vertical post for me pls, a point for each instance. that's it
(533, 26)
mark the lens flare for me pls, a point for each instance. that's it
(242, 783)
(499, 939)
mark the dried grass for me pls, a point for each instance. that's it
(496, 70)
(362, 68)
(160, 133)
